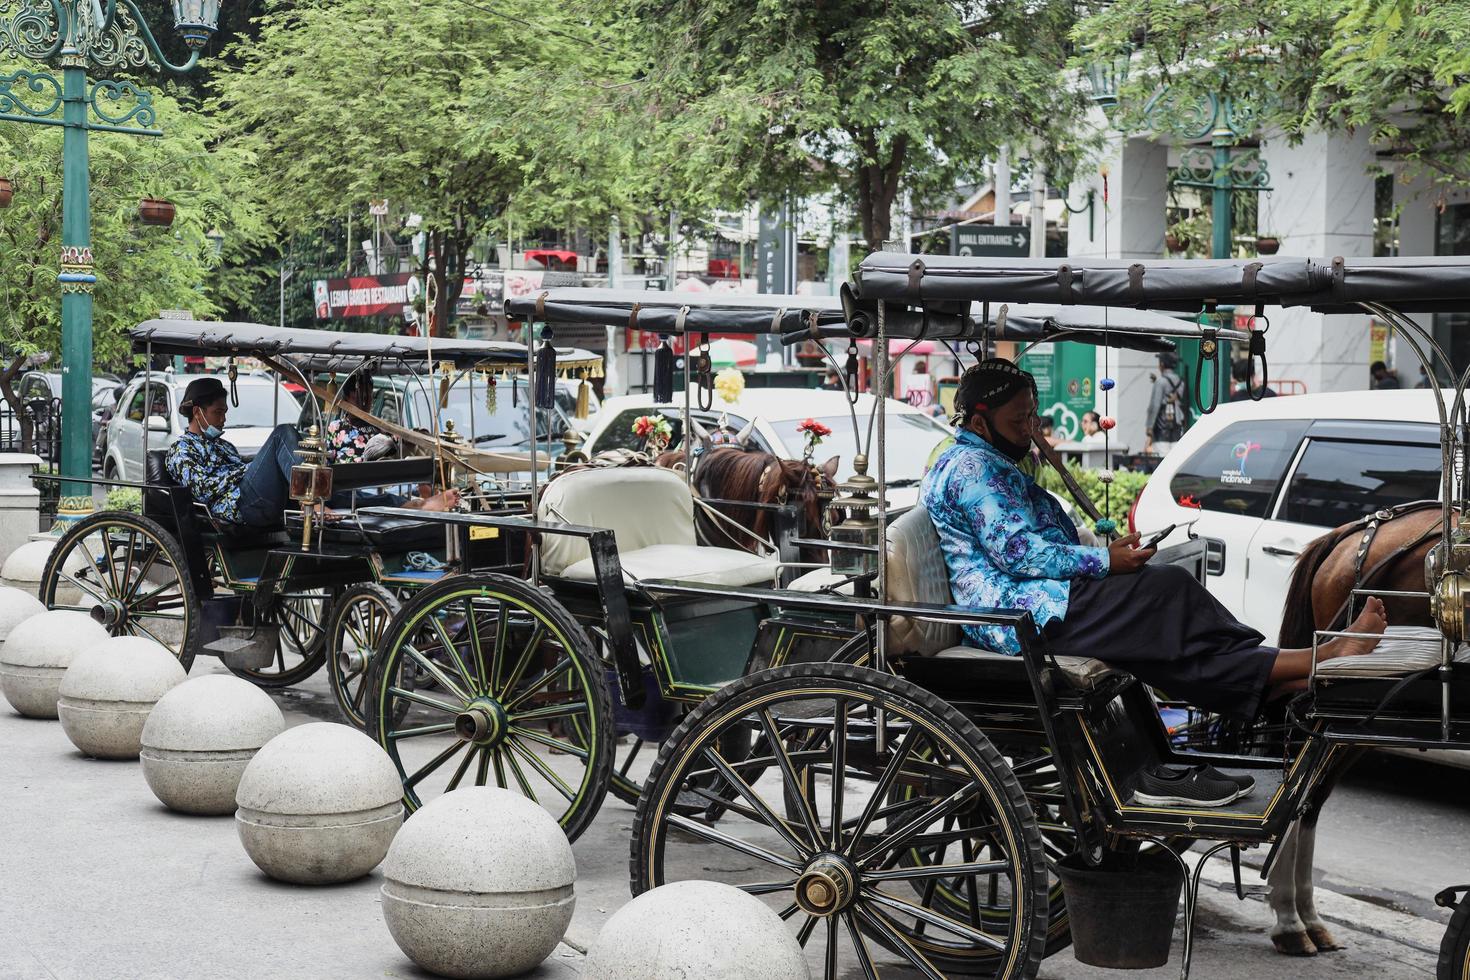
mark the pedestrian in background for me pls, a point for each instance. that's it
(1168, 407)
(1424, 381)
(1245, 380)
(1382, 377)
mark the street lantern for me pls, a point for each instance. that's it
(856, 511)
(195, 21)
(1107, 73)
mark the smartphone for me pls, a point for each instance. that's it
(1153, 539)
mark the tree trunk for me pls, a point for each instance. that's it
(878, 184)
(7, 388)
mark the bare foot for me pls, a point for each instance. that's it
(447, 500)
(1373, 619)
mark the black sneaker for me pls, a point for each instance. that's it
(1166, 786)
(1247, 784)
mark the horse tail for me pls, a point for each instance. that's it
(1298, 621)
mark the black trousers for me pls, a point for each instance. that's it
(1163, 627)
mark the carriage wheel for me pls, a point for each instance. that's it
(130, 575)
(301, 650)
(515, 673)
(360, 617)
(1454, 949)
(841, 863)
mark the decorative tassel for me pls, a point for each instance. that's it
(663, 374)
(490, 393)
(546, 375)
(584, 397)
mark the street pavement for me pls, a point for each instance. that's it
(98, 880)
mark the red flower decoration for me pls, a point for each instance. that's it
(814, 428)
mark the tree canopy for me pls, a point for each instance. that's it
(1399, 69)
(140, 270)
(761, 98)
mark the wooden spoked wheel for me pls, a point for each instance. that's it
(854, 862)
(360, 617)
(514, 675)
(301, 649)
(1454, 949)
(129, 574)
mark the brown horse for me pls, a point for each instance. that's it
(732, 473)
(1317, 599)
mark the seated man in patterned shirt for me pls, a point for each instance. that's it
(254, 494)
(1008, 545)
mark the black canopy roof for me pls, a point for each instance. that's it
(945, 283)
(659, 312)
(253, 339)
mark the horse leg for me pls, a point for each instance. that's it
(1288, 934)
(1306, 907)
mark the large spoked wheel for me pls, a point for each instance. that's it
(1454, 949)
(129, 574)
(853, 859)
(514, 676)
(301, 649)
(360, 617)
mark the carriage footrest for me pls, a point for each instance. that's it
(245, 647)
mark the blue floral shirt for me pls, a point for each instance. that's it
(1007, 543)
(211, 469)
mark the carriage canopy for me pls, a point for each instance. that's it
(255, 339)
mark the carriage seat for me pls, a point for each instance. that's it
(917, 573)
(1404, 650)
(650, 511)
(385, 533)
(159, 504)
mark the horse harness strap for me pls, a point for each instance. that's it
(1371, 524)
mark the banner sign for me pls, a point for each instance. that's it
(336, 299)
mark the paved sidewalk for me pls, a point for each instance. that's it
(98, 880)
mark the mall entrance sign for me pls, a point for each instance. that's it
(1006, 241)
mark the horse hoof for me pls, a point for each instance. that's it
(1323, 939)
(1294, 944)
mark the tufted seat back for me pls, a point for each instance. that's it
(642, 505)
(917, 573)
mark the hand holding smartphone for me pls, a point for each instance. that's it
(1152, 541)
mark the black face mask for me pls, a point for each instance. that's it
(1014, 450)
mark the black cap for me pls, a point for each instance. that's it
(201, 392)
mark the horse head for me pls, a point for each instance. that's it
(812, 488)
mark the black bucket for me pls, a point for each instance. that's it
(1122, 912)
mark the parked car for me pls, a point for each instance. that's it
(262, 404)
(1261, 480)
(39, 391)
(912, 433)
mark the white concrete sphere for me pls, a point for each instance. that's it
(199, 738)
(38, 652)
(462, 900)
(695, 929)
(318, 804)
(16, 606)
(107, 692)
(26, 564)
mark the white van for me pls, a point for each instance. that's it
(1261, 480)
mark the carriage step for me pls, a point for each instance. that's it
(245, 647)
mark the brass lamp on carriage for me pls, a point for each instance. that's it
(311, 480)
(854, 522)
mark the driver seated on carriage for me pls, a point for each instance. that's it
(254, 494)
(1007, 544)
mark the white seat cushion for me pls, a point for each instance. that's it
(1403, 650)
(686, 563)
(641, 505)
(818, 579)
(1083, 672)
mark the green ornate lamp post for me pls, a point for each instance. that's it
(71, 35)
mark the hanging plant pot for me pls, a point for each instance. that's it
(1173, 242)
(1268, 245)
(7, 191)
(156, 211)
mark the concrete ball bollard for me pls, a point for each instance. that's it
(107, 692)
(26, 564)
(695, 929)
(319, 804)
(463, 900)
(16, 606)
(199, 738)
(36, 656)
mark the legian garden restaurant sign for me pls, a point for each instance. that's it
(335, 299)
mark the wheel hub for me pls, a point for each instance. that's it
(483, 721)
(827, 886)
(110, 613)
(351, 662)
